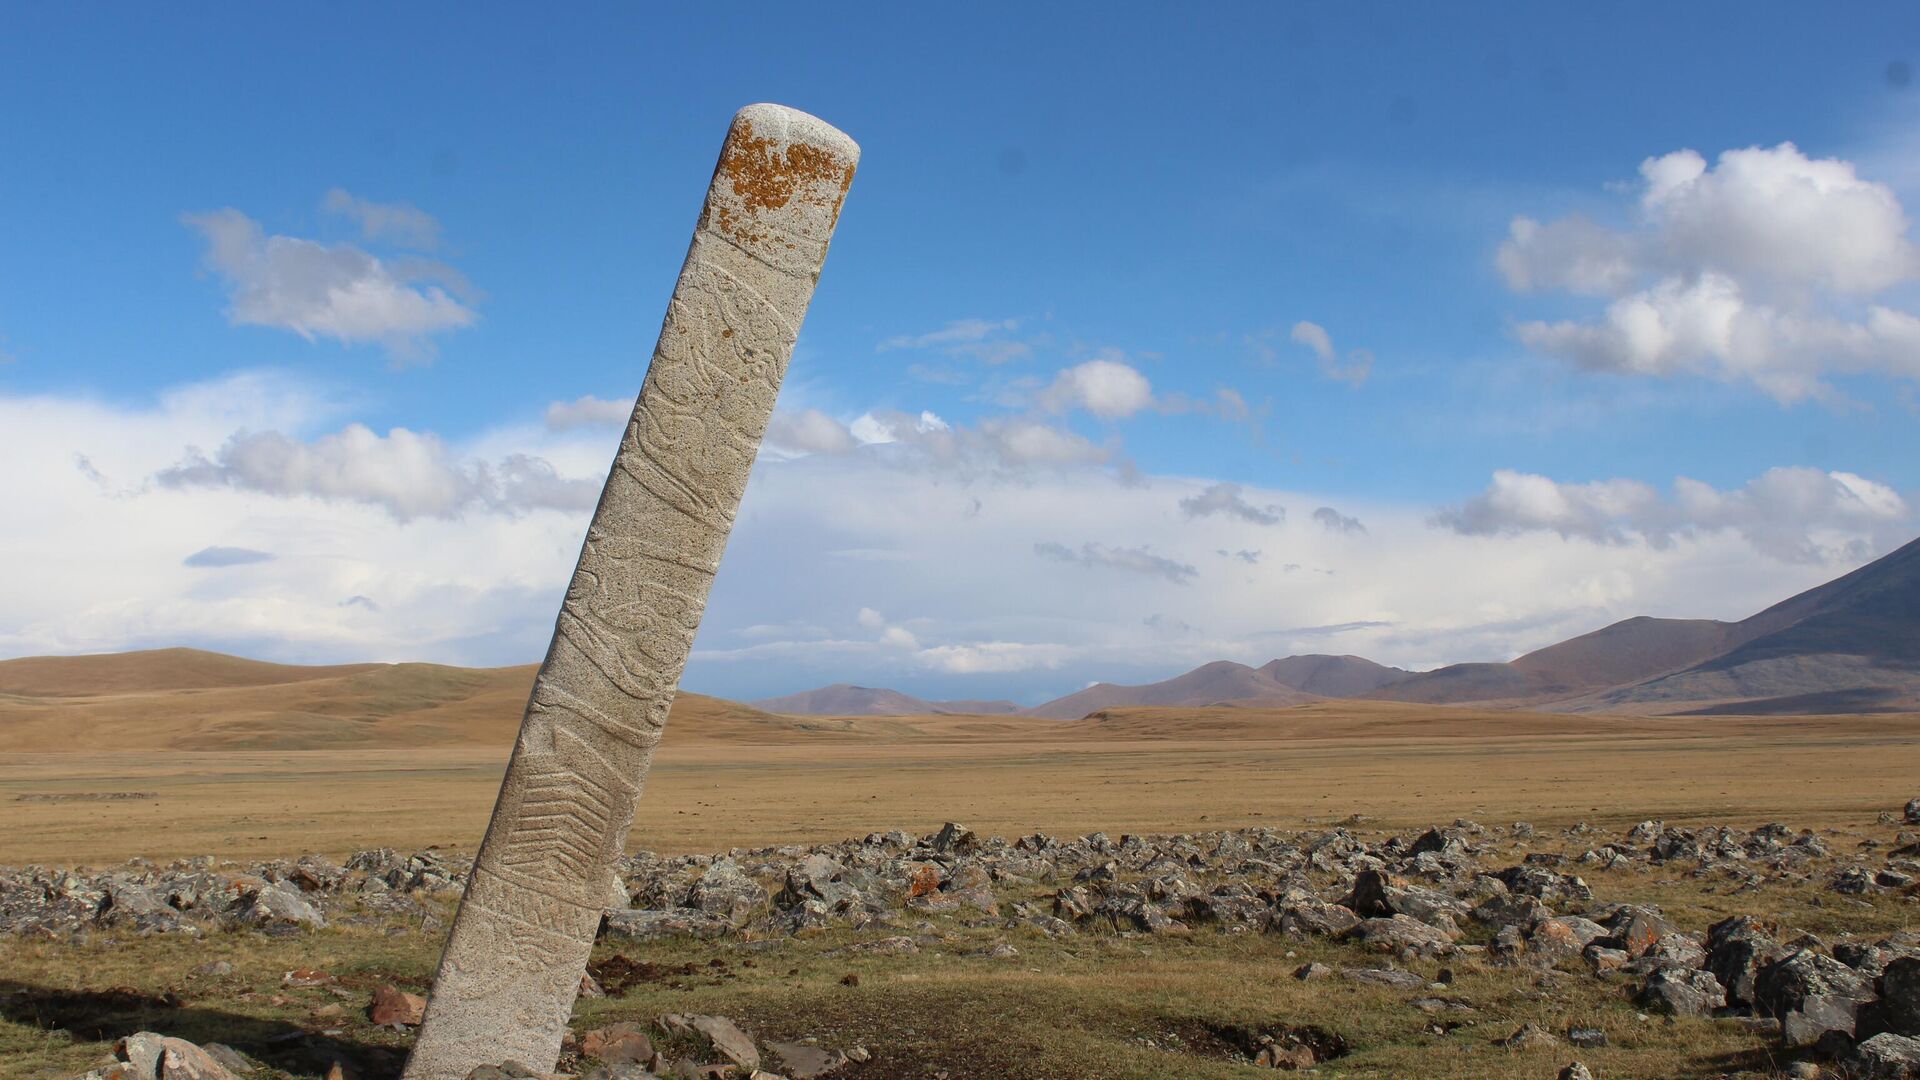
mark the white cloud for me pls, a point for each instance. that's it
(1356, 368)
(1778, 215)
(993, 657)
(587, 411)
(1104, 387)
(396, 223)
(949, 555)
(809, 432)
(1794, 514)
(1225, 498)
(1006, 445)
(1747, 271)
(111, 552)
(1572, 254)
(334, 291)
(407, 473)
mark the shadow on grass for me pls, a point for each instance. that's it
(106, 1015)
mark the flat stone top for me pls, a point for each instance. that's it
(789, 125)
(778, 187)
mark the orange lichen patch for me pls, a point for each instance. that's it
(925, 882)
(765, 179)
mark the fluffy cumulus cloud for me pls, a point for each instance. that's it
(409, 474)
(1762, 267)
(1353, 370)
(1105, 387)
(335, 291)
(439, 560)
(1228, 499)
(1794, 514)
(124, 561)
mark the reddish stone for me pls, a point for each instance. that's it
(617, 1044)
(925, 881)
(392, 1006)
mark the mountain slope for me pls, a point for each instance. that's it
(1209, 684)
(1851, 645)
(845, 699)
(1623, 652)
(185, 699)
(1331, 676)
(1854, 641)
(153, 669)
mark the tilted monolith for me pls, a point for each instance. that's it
(544, 873)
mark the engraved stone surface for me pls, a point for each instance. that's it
(513, 963)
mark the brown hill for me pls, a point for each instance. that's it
(1624, 652)
(1222, 681)
(1331, 676)
(152, 669)
(845, 699)
(1851, 645)
(185, 699)
(1855, 639)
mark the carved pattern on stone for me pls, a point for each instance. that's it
(599, 704)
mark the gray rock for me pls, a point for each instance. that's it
(1886, 1056)
(1315, 918)
(1736, 948)
(1810, 994)
(1400, 934)
(279, 904)
(803, 1062)
(1576, 1071)
(726, 890)
(1911, 814)
(1679, 992)
(1390, 977)
(1587, 1038)
(1900, 996)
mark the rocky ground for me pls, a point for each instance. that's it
(1604, 953)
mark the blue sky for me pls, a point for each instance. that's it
(1279, 248)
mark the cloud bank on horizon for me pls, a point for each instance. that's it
(1453, 409)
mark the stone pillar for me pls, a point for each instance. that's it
(519, 946)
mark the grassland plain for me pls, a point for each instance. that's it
(242, 764)
(723, 780)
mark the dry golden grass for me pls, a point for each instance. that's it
(728, 776)
(230, 761)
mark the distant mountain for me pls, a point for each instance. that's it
(845, 699)
(1332, 676)
(188, 699)
(1219, 683)
(1851, 645)
(1625, 652)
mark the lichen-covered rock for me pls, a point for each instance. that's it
(1680, 992)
